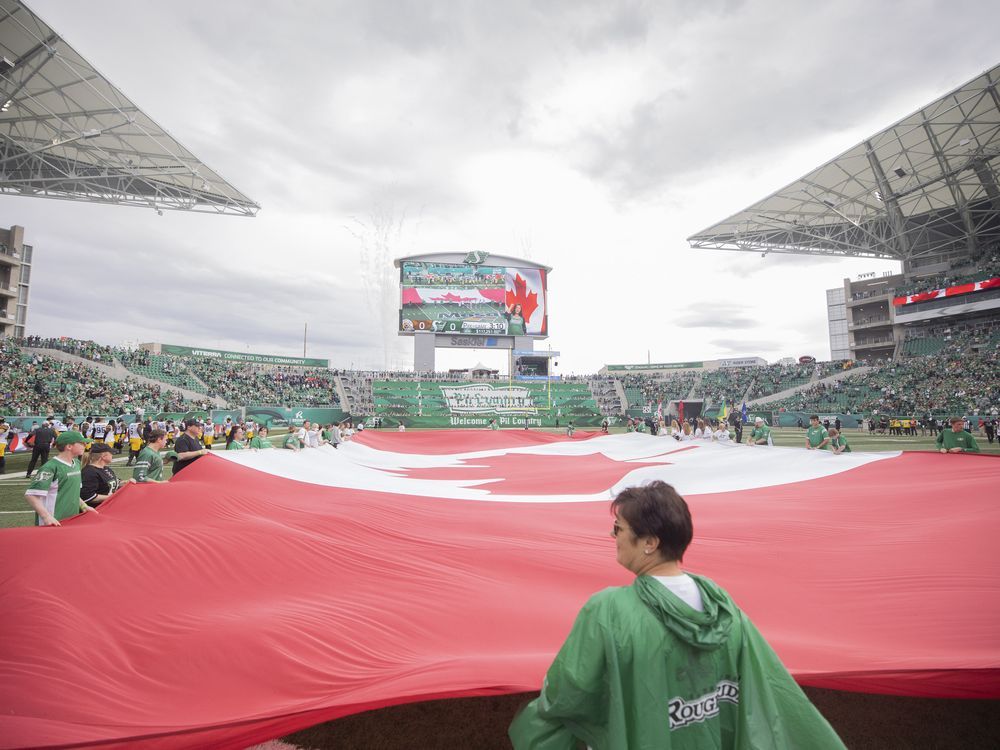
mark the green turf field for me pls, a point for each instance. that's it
(13, 506)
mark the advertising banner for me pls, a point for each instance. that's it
(471, 299)
(951, 291)
(657, 366)
(280, 416)
(262, 359)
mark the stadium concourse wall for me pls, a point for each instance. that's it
(474, 404)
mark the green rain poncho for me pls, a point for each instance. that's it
(641, 670)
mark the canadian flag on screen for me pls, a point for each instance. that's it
(526, 287)
(261, 592)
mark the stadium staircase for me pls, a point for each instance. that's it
(118, 371)
(622, 398)
(780, 395)
(345, 400)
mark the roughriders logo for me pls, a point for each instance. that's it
(477, 399)
(684, 712)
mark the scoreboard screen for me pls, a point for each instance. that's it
(472, 299)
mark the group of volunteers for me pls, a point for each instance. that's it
(79, 477)
(315, 435)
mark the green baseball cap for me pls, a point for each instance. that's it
(69, 437)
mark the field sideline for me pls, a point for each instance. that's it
(13, 508)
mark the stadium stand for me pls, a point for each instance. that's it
(425, 398)
(36, 384)
(941, 369)
(645, 392)
(246, 384)
(777, 378)
(961, 377)
(162, 367)
(987, 268)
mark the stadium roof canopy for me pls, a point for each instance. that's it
(67, 132)
(921, 190)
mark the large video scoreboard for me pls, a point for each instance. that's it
(466, 298)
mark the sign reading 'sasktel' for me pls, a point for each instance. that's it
(262, 359)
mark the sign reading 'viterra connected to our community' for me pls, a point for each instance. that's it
(262, 359)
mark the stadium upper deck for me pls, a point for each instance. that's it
(67, 132)
(922, 191)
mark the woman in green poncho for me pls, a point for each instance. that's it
(668, 662)
(515, 320)
(234, 440)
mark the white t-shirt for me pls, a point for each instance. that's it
(401, 428)
(685, 589)
(685, 436)
(722, 436)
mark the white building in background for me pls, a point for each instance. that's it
(15, 277)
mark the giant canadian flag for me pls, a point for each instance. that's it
(262, 592)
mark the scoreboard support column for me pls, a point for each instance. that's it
(424, 346)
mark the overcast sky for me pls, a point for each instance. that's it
(592, 137)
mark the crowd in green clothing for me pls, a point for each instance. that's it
(956, 380)
(32, 383)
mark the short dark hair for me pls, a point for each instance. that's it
(655, 509)
(814, 416)
(155, 435)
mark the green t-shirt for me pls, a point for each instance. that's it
(291, 441)
(949, 439)
(516, 326)
(760, 433)
(839, 442)
(494, 426)
(258, 442)
(234, 445)
(816, 435)
(58, 484)
(148, 466)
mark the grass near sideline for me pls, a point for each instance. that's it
(13, 508)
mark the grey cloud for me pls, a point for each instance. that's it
(751, 263)
(746, 346)
(725, 316)
(791, 88)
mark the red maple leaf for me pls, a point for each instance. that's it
(521, 296)
(532, 474)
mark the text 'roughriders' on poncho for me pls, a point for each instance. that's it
(643, 670)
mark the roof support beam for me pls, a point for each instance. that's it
(890, 203)
(956, 191)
